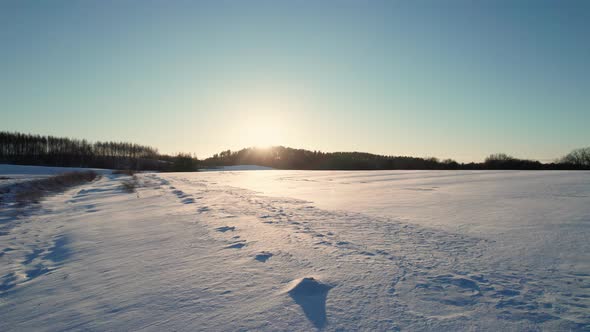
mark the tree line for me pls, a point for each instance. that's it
(287, 158)
(31, 149)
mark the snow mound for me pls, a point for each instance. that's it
(310, 294)
(308, 286)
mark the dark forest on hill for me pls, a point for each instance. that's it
(287, 158)
(27, 149)
(18, 148)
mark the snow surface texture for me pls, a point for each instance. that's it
(297, 250)
(237, 168)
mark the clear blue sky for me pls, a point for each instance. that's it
(461, 79)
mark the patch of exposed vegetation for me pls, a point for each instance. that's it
(130, 185)
(33, 191)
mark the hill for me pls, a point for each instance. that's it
(281, 157)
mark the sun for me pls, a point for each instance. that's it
(262, 131)
(261, 122)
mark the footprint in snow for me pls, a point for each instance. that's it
(178, 193)
(36, 271)
(8, 281)
(224, 229)
(32, 256)
(263, 256)
(60, 250)
(188, 200)
(238, 245)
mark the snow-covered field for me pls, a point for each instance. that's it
(237, 168)
(303, 250)
(11, 174)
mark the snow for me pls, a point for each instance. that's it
(238, 168)
(303, 250)
(11, 174)
(10, 170)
